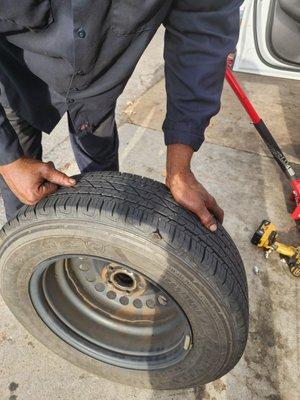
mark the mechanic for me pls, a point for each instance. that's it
(76, 56)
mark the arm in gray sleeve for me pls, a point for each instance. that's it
(199, 37)
(10, 149)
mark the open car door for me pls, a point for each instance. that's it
(270, 38)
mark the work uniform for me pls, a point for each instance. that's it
(77, 56)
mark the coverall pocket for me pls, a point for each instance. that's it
(16, 15)
(135, 16)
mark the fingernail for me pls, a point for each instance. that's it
(213, 228)
(72, 181)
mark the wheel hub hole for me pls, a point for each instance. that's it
(123, 281)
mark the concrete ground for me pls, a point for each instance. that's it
(234, 165)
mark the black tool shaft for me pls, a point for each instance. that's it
(275, 150)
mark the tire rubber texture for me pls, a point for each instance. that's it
(135, 221)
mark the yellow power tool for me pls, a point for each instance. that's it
(266, 237)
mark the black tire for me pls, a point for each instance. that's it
(134, 221)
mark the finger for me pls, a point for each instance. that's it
(34, 196)
(51, 163)
(46, 189)
(217, 211)
(219, 214)
(59, 178)
(207, 219)
(30, 199)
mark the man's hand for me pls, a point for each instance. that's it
(32, 180)
(187, 191)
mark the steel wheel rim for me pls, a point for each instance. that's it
(110, 312)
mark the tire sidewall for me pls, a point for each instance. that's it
(27, 248)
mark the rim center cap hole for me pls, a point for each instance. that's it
(123, 281)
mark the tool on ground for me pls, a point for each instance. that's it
(266, 235)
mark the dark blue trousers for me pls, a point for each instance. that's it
(92, 152)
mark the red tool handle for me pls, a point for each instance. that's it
(238, 90)
(267, 137)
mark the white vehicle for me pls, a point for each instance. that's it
(270, 38)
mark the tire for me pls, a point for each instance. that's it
(112, 222)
